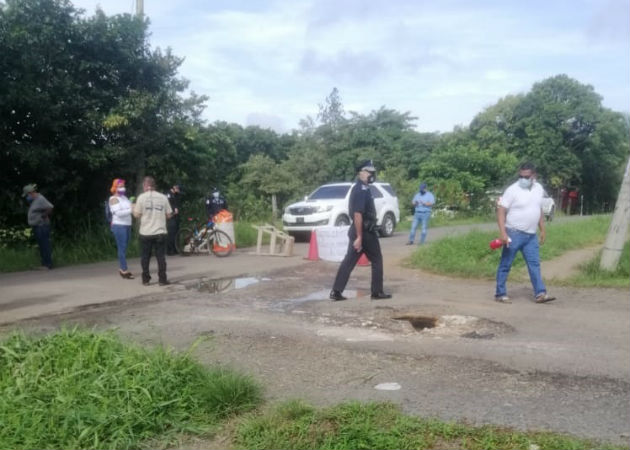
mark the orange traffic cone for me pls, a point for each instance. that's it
(363, 260)
(313, 254)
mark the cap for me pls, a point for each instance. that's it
(366, 165)
(423, 186)
(28, 189)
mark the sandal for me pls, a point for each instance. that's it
(502, 299)
(126, 275)
(544, 298)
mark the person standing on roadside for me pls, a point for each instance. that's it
(120, 207)
(152, 208)
(363, 236)
(519, 212)
(172, 225)
(422, 202)
(215, 203)
(38, 217)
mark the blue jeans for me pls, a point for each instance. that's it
(420, 218)
(527, 244)
(122, 233)
(42, 235)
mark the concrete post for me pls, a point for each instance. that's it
(618, 227)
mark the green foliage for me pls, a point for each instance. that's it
(16, 237)
(86, 100)
(470, 256)
(81, 389)
(295, 425)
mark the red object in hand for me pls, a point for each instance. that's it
(496, 243)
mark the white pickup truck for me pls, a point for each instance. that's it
(328, 206)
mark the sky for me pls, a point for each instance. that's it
(271, 63)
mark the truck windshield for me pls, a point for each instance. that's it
(324, 192)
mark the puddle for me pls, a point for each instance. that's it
(217, 285)
(318, 296)
(419, 322)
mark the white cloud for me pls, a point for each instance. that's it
(443, 61)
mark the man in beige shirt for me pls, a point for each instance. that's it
(152, 208)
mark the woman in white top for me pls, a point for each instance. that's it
(120, 207)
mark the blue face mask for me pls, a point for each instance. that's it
(29, 199)
(525, 183)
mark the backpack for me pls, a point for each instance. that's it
(108, 212)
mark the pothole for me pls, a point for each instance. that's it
(419, 322)
(468, 327)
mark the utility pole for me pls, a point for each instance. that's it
(618, 227)
(140, 8)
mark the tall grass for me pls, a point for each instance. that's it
(91, 243)
(295, 425)
(470, 256)
(81, 389)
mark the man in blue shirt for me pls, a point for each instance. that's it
(423, 202)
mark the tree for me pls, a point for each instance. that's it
(84, 100)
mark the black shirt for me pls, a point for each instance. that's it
(214, 205)
(173, 200)
(361, 201)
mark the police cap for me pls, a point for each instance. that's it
(366, 165)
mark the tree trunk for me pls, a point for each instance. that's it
(618, 227)
(274, 206)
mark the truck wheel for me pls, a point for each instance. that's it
(342, 221)
(388, 226)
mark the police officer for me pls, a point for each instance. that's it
(363, 236)
(215, 203)
(172, 224)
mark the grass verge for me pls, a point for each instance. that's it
(295, 425)
(592, 276)
(80, 389)
(469, 255)
(441, 220)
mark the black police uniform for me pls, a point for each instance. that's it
(172, 224)
(214, 205)
(361, 201)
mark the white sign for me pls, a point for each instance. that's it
(332, 243)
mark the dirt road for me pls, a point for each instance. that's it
(562, 366)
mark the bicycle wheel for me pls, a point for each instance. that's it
(185, 242)
(220, 244)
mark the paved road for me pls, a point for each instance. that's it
(563, 366)
(31, 294)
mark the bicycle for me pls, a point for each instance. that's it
(203, 238)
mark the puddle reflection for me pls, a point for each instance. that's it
(218, 285)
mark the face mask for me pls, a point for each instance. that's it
(525, 183)
(29, 199)
(121, 190)
(215, 194)
(371, 178)
(422, 191)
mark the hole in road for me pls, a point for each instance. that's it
(419, 322)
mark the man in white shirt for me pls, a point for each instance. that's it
(152, 208)
(519, 212)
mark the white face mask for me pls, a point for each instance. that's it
(121, 190)
(215, 194)
(525, 183)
